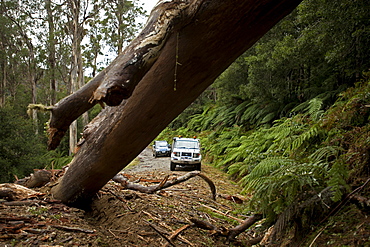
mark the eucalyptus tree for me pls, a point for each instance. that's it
(78, 12)
(51, 44)
(111, 30)
(8, 47)
(24, 22)
(120, 23)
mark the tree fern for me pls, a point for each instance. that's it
(195, 122)
(312, 107)
(276, 181)
(250, 113)
(249, 152)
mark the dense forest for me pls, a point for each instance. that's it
(49, 49)
(288, 120)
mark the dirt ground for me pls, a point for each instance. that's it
(120, 217)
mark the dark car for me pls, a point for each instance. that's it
(161, 148)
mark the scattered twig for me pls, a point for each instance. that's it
(180, 238)
(114, 235)
(233, 232)
(162, 183)
(232, 198)
(72, 229)
(66, 240)
(23, 203)
(345, 200)
(219, 212)
(159, 232)
(16, 218)
(338, 207)
(35, 231)
(176, 233)
(230, 234)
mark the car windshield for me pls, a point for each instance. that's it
(162, 144)
(187, 144)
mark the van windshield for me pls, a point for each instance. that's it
(186, 144)
(162, 144)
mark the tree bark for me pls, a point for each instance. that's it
(119, 178)
(181, 51)
(51, 50)
(3, 80)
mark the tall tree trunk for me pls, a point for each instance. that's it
(76, 58)
(74, 87)
(183, 48)
(33, 81)
(3, 82)
(52, 50)
(81, 83)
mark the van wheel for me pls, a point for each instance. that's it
(172, 166)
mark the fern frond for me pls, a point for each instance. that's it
(312, 107)
(338, 175)
(264, 168)
(324, 153)
(304, 138)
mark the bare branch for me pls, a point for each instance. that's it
(119, 178)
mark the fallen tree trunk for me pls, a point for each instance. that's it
(183, 48)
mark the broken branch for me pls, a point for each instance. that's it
(233, 232)
(119, 178)
(229, 233)
(72, 229)
(159, 232)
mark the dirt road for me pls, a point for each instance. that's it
(121, 217)
(147, 162)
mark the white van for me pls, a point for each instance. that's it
(185, 153)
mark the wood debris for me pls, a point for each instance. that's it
(16, 192)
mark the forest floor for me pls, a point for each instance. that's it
(121, 217)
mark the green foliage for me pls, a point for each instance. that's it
(57, 159)
(303, 62)
(338, 175)
(285, 163)
(168, 134)
(21, 150)
(276, 183)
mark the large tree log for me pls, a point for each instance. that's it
(184, 47)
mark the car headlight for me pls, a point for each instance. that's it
(195, 155)
(176, 153)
